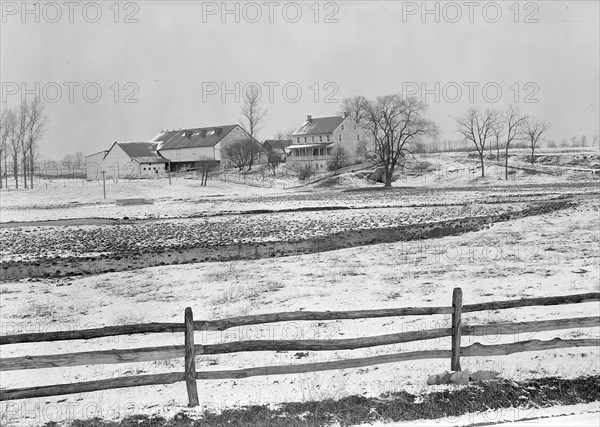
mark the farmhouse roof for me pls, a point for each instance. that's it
(319, 125)
(197, 137)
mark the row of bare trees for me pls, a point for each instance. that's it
(484, 128)
(21, 129)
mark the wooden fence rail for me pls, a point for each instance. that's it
(190, 350)
(224, 324)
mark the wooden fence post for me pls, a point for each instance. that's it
(190, 364)
(456, 325)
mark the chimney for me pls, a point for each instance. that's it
(202, 133)
(218, 131)
(188, 133)
(309, 118)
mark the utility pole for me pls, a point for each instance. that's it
(169, 172)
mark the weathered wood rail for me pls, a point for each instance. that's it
(189, 350)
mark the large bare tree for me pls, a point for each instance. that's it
(358, 108)
(397, 124)
(252, 118)
(533, 129)
(514, 123)
(36, 125)
(478, 127)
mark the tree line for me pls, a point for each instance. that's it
(21, 129)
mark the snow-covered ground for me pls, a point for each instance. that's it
(551, 254)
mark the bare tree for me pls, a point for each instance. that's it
(13, 140)
(397, 124)
(241, 152)
(3, 143)
(36, 125)
(514, 122)
(253, 117)
(21, 127)
(254, 150)
(596, 139)
(236, 154)
(534, 128)
(477, 127)
(358, 108)
(497, 131)
(284, 134)
(337, 159)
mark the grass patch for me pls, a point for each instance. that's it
(389, 407)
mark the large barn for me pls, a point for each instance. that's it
(188, 149)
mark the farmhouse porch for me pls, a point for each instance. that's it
(309, 152)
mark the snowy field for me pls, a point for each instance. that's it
(556, 253)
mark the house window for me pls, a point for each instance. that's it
(329, 151)
(320, 139)
(312, 139)
(342, 127)
(340, 138)
(298, 140)
(327, 138)
(305, 140)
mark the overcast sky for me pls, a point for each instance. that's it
(179, 56)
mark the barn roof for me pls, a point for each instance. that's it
(139, 149)
(164, 135)
(197, 137)
(319, 125)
